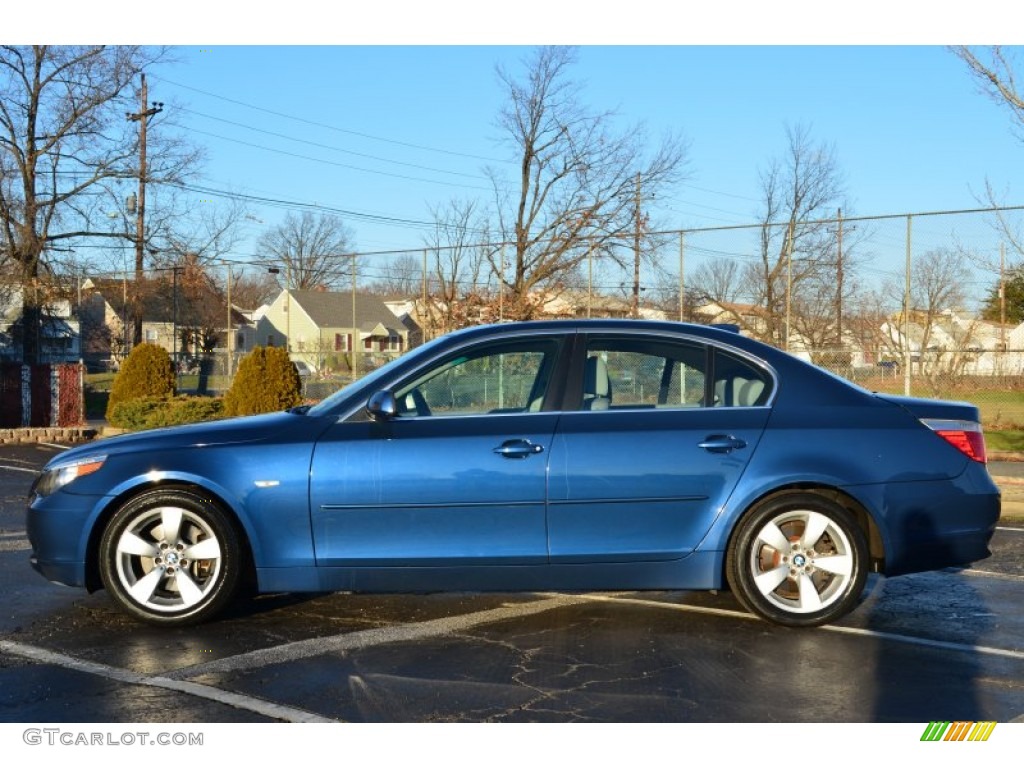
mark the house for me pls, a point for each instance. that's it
(956, 342)
(749, 317)
(59, 333)
(572, 304)
(186, 320)
(321, 328)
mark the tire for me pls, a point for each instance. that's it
(170, 557)
(798, 559)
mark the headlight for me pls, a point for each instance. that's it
(60, 474)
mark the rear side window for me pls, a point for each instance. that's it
(738, 383)
(638, 372)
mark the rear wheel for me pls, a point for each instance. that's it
(170, 557)
(798, 559)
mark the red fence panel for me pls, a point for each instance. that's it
(10, 395)
(54, 395)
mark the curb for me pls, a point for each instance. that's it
(47, 435)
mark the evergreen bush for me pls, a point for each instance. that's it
(151, 412)
(146, 373)
(266, 381)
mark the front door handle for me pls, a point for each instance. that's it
(518, 449)
(721, 443)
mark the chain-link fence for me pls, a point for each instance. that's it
(909, 303)
(912, 303)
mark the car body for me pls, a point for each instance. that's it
(557, 455)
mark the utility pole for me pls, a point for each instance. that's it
(636, 253)
(839, 281)
(682, 280)
(423, 310)
(1002, 305)
(355, 326)
(141, 117)
(790, 234)
(230, 335)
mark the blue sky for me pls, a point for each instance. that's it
(390, 131)
(386, 111)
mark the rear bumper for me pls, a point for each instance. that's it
(928, 525)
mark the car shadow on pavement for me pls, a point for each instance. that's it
(925, 665)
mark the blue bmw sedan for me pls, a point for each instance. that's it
(552, 455)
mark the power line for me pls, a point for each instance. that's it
(335, 128)
(328, 146)
(335, 163)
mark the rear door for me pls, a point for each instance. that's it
(660, 434)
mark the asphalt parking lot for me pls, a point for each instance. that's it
(937, 646)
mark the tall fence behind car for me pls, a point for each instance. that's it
(909, 303)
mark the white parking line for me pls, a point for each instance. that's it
(19, 469)
(908, 639)
(177, 680)
(14, 545)
(239, 701)
(351, 641)
(289, 652)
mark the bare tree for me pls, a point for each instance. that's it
(718, 280)
(401, 276)
(578, 180)
(801, 191)
(456, 266)
(942, 331)
(64, 140)
(251, 290)
(316, 250)
(200, 236)
(993, 70)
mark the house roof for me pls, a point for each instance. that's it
(334, 310)
(195, 305)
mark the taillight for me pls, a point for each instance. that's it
(964, 435)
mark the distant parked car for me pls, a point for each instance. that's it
(304, 368)
(505, 458)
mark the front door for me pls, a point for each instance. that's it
(459, 477)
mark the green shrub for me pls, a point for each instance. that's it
(266, 382)
(146, 373)
(151, 412)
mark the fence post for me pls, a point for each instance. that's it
(906, 317)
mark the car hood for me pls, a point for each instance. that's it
(245, 429)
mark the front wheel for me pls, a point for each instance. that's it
(170, 557)
(798, 559)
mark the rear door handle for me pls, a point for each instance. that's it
(518, 449)
(721, 444)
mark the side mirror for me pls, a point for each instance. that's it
(382, 406)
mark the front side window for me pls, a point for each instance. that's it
(510, 377)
